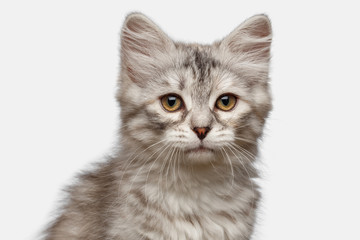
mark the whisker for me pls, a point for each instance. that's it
(171, 162)
(178, 160)
(134, 158)
(116, 201)
(164, 164)
(246, 170)
(231, 168)
(241, 149)
(147, 176)
(139, 171)
(246, 140)
(222, 150)
(241, 126)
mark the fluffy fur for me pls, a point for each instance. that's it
(162, 184)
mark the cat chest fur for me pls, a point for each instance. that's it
(211, 211)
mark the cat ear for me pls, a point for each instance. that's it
(144, 48)
(252, 39)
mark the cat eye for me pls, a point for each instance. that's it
(226, 102)
(171, 102)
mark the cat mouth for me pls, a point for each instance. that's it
(200, 149)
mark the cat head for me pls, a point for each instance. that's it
(197, 99)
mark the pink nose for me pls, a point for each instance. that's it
(201, 132)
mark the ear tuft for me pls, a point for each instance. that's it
(258, 26)
(253, 37)
(143, 47)
(141, 35)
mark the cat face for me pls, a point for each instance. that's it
(194, 99)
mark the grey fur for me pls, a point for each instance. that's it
(162, 184)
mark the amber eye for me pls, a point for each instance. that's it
(226, 102)
(171, 102)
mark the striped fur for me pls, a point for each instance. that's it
(157, 186)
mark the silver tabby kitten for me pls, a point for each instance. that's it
(191, 119)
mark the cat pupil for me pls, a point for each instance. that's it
(171, 101)
(225, 100)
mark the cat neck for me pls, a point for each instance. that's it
(176, 176)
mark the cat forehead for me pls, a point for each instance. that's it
(196, 71)
(197, 66)
(200, 61)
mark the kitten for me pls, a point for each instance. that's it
(192, 116)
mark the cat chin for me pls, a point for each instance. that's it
(200, 155)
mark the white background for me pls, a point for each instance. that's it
(59, 63)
